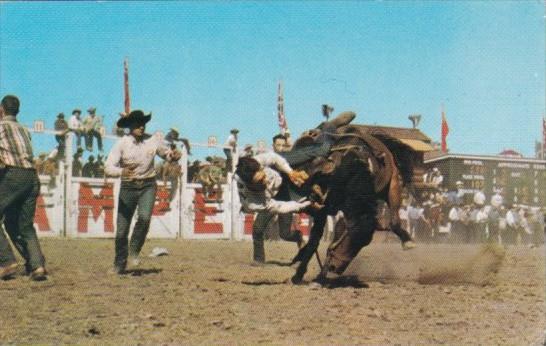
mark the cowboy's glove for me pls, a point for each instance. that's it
(298, 177)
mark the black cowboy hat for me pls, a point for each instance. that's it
(136, 116)
(77, 111)
(234, 131)
(60, 115)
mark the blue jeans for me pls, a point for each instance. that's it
(133, 194)
(19, 189)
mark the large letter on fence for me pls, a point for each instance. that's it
(162, 203)
(40, 215)
(88, 201)
(201, 212)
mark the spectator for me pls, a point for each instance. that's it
(99, 167)
(414, 215)
(466, 230)
(434, 177)
(173, 136)
(77, 163)
(39, 163)
(493, 222)
(92, 125)
(248, 151)
(460, 191)
(171, 171)
(536, 222)
(88, 169)
(403, 215)
(524, 229)
(478, 219)
(193, 169)
(61, 127)
(76, 126)
(51, 168)
(231, 142)
(457, 228)
(510, 234)
(118, 131)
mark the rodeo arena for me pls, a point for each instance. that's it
(349, 233)
(384, 231)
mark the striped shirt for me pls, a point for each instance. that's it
(15, 145)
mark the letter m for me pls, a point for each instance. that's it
(89, 202)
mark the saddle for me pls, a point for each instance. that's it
(350, 139)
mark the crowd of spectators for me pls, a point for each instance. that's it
(443, 217)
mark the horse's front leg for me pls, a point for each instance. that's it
(306, 253)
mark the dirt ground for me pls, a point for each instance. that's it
(206, 292)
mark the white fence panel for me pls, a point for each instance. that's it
(48, 217)
(205, 218)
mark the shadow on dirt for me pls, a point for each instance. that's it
(344, 282)
(140, 272)
(279, 263)
(264, 283)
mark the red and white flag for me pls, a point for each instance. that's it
(280, 110)
(445, 131)
(126, 86)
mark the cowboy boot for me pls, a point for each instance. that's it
(343, 118)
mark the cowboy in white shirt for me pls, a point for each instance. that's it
(132, 159)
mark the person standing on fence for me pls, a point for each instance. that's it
(61, 127)
(132, 159)
(88, 170)
(77, 163)
(231, 142)
(19, 188)
(92, 125)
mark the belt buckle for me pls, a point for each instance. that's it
(139, 182)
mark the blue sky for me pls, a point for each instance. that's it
(205, 67)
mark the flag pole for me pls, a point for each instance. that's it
(127, 100)
(281, 117)
(444, 131)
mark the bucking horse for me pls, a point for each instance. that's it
(363, 166)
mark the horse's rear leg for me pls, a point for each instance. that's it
(306, 253)
(394, 202)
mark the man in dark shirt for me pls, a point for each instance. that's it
(77, 163)
(61, 126)
(88, 169)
